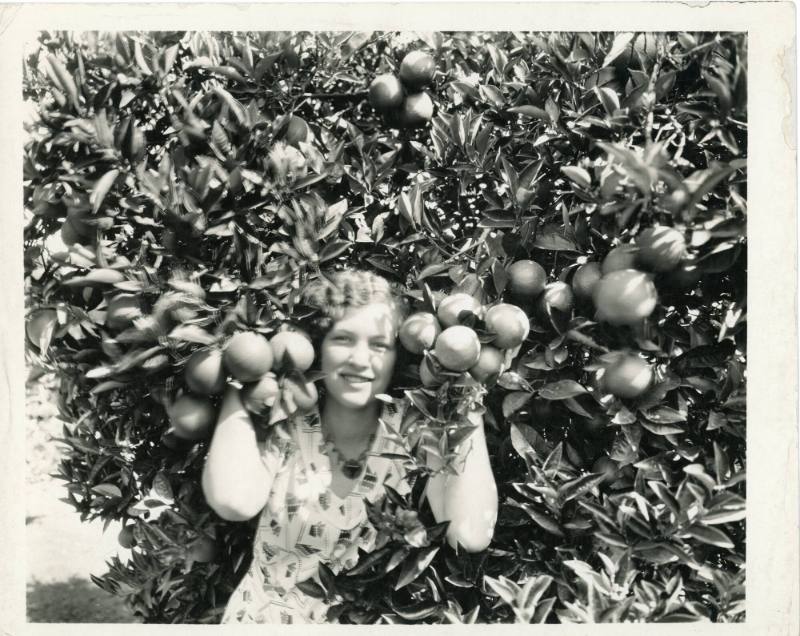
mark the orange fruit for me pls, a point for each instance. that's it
(205, 373)
(305, 396)
(426, 376)
(69, 235)
(584, 280)
(122, 310)
(661, 248)
(296, 130)
(385, 92)
(125, 537)
(558, 296)
(509, 324)
(76, 216)
(628, 376)
(459, 304)
(606, 466)
(489, 363)
(192, 417)
(203, 550)
(594, 426)
(526, 279)
(685, 276)
(523, 197)
(258, 397)
(417, 69)
(621, 257)
(292, 350)
(417, 110)
(247, 356)
(643, 46)
(36, 324)
(458, 348)
(625, 297)
(676, 200)
(419, 331)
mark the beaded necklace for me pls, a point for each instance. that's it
(351, 468)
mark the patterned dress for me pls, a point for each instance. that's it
(305, 522)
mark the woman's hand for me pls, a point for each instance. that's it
(236, 481)
(467, 500)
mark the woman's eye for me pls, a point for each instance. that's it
(381, 346)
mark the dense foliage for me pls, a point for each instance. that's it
(157, 167)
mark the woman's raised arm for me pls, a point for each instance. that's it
(236, 481)
(469, 499)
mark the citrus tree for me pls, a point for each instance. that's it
(181, 189)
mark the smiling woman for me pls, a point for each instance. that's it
(308, 479)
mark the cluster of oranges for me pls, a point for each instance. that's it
(621, 289)
(624, 293)
(263, 367)
(401, 99)
(455, 347)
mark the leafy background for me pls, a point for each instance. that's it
(149, 155)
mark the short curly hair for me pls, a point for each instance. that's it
(329, 296)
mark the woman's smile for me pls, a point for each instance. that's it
(354, 378)
(358, 355)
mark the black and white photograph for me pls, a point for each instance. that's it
(398, 326)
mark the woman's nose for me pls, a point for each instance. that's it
(360, 355)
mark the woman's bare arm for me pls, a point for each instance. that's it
(469, 499)
(235, 481)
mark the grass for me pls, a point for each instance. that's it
(61, 551)
(75, 600)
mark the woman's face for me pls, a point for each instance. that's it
(358, 355)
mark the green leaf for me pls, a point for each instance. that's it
(712, 536)
(621, 40)
(492, 94)
(543, 610)
(368, 560)
(65, 80)
(416, 612)
(234, 105)
(608, 98)
(552, 464)
(721, 463)
(578, 175)
(108, 385)
(707, 185)
(519, 434)
(664, 415)
(613, 539)
(311, 587)
(578, 486)
(413, 567)
(551, 238)
(561, 390)
(724, 516)
(666, 496)
(720, 259)
(541, 519)
(101, 188)
(332, 250)
(435, 269)
(661, 429)
(107, 490)
(513, 402)
(422, 402)
(505, 588)
(530, 111)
